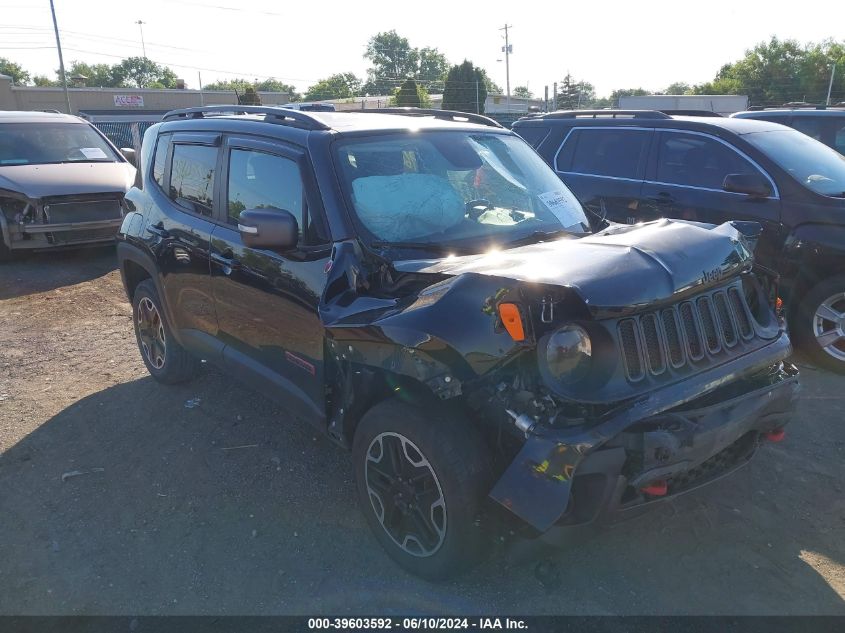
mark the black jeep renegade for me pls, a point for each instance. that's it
(420, 286)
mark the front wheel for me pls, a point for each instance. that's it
(166, 360)
(818, 324)
(421, 480)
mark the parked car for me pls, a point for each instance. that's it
(61, 183)
(310, 106)
(821, 123)
(636, 166)
(422, 288)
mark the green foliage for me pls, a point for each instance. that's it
(779, 71)
(240, 85)
(523, 92)
(142, 72)
(465, 89)
(96, 75)
(393, 59)
(678, 88)
(573, 94)
(42, 81)
(338, 86)
(249, 97)
(15, 71)
(410, 94)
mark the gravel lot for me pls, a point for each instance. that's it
(232, 508)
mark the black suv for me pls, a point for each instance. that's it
(636, 166)
(421, 287)
(823, 123)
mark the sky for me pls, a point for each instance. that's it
(611, 44)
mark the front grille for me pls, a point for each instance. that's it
(82, 211)
(81, 236)
(685, 334)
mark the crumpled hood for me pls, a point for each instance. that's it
(622, 266)
(66, 179)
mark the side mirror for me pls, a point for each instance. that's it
(268, 228)
(129, 154)
(754, 185)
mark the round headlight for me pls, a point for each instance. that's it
(568, 353)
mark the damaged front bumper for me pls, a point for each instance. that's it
(20, 236)
(675, 436)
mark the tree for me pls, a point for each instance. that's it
(338, 86)
(411, 94)
(522, 92)
(15, 71)
(780, 71)
(465, 89)
(249, 97)
(573, 94)
(274, 85)
(678, 88)
(43, 81)
(393, 59)
(142, 72)
(96, 75)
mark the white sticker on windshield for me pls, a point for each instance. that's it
(92, 152)
(565, 206)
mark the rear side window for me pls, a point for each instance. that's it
(533, 135)
(839, 135)
(605, 152)
(160, 159)
(814, 128)
(697, 161)
(192, 177)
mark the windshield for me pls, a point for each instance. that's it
(812, 163)
(444, 189)
(42, 143)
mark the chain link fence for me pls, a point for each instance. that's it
(124, 133)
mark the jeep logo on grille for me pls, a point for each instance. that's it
(711, 275)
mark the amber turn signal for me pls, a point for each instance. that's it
(512, 321)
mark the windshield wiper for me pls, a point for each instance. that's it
(426, 246)
(537, 236)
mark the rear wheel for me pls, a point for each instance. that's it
(421, 480)
(166, 360)
(818, 325)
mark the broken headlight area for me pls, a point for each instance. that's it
(18, 210)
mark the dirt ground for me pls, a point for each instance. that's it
(230, 508)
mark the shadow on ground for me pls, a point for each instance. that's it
(29, 273)
(231, 508)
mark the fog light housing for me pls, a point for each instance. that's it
(569, 353)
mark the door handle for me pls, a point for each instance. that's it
(663, 199)
(158, 229)
(226, 260)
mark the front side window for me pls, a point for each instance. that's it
(449, 188)
(258, 180)
(814, 128)
(192, 177)
(813, 164)
(616, 153)
(697, 161)
(839, 135)
(46, 143)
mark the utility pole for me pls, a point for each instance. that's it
(830, 85)
(554, 99)
(202, 97)
(507, 49)
(546, 99)
(141, 24)
(61, 59)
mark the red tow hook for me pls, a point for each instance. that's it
(776, 436)
(656, 488)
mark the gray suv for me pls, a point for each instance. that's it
(821, 123)
(61, 183)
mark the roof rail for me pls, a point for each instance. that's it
(445, 115)
(595, 114)
(272, 115)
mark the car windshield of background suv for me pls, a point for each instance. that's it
(813, 164)
(449, 188)
(45, 143)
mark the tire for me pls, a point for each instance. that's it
(5, 251)
(815, 315)
(166, 360)
(451, 466)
